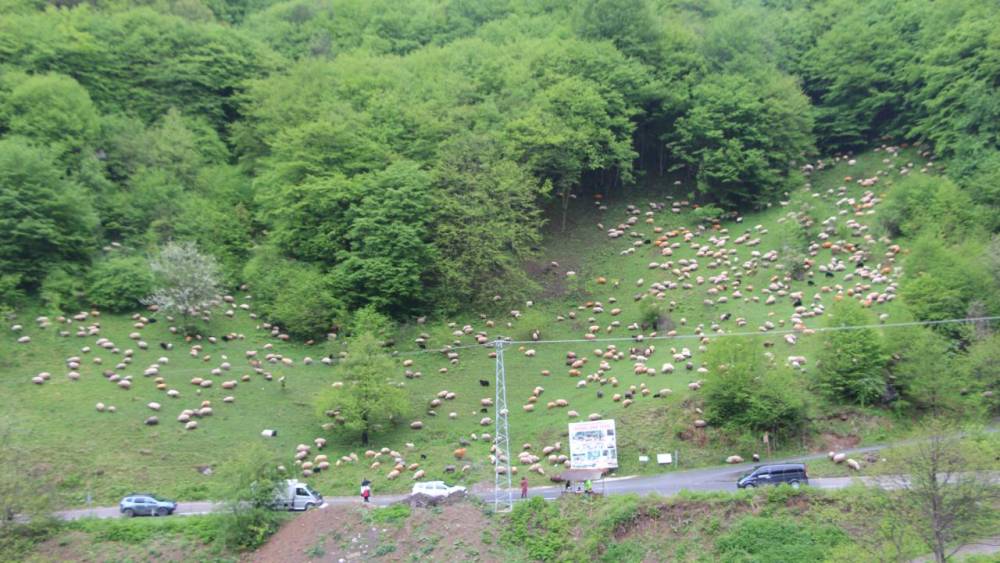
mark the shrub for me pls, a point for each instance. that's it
(539, 528)
(17, 541)
(247, 529)
(297, 296)
(368, 319)
(10, 292)
(118, 283)
(851, 362)
(62, 289)
(919, 203)
(709, 213)
(388, 515)
(747, 394)
(655, 313)
(756, 538)
(631, 551)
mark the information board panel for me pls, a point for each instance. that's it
(593, 445)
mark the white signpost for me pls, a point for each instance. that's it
(593, 445)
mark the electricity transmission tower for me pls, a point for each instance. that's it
(503, 500)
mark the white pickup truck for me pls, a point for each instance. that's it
(294, 495)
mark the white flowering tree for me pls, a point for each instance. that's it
(187, 280)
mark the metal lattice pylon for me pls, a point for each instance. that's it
(503, 499)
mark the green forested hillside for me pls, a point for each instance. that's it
(353, 147)
(408, 167)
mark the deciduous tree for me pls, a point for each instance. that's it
(369, 402)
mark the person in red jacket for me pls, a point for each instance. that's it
(524, 487)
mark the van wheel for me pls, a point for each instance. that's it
(795, 484)
(129, 513)
(749, 486)
(310, 506)
(162, 512)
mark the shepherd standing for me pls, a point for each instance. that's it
(366, 489)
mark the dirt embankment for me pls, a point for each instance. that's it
(459, 532)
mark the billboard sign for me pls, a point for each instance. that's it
(593, 445)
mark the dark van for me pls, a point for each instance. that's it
(792, 473)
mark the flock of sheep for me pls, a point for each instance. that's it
(714, 276)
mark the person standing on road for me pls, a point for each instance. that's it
(524, 487)
(366, 489)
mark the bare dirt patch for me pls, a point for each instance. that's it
(339, 534)
(551, 280)
(831, 442)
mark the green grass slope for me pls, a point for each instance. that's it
(64, 439)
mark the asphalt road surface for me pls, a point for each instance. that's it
(722, 478)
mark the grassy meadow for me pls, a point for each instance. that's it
(66, 441)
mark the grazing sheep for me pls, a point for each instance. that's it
(700, 423)
(853, 464)
(419, 475)
(734, 459)
(416, 425)
(839, 458)
(154, 406)
(191, 425)
(152, 421)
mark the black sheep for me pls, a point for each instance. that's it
(484, 383)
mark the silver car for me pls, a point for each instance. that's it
(144, 504)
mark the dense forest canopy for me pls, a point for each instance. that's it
(404, 156)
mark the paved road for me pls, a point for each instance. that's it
(720, 478)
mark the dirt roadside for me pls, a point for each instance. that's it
(344, 534)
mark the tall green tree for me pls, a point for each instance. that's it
(573, 129)
(746, 394)
(852, 360)
(368, 403)
(487, 220)
(740, 138)
(45, 218)
(925, 372)
(53, 110)
(389, 256)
